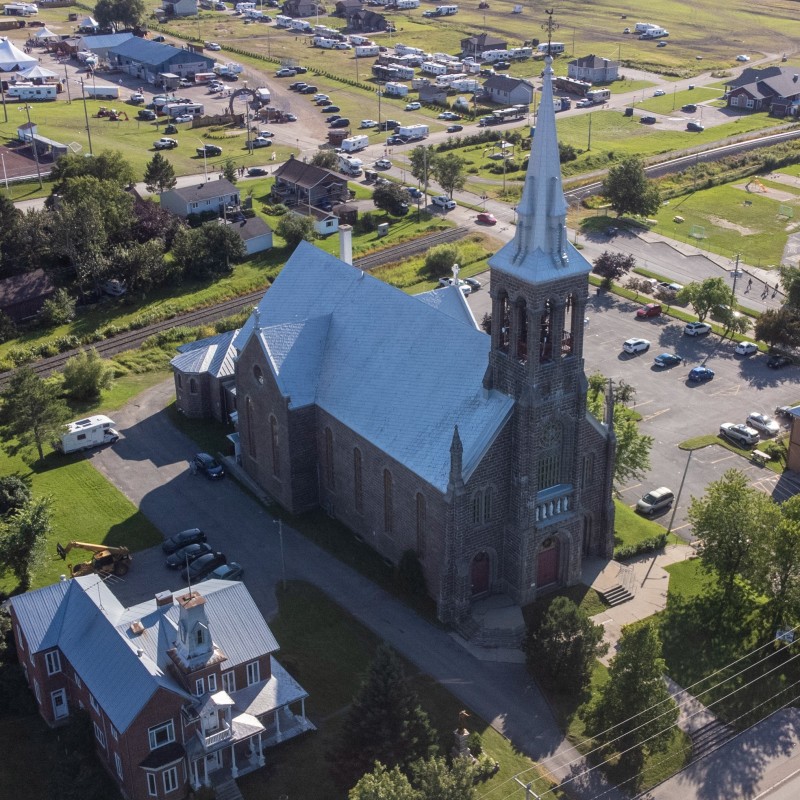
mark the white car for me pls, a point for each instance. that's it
(659, 93)
(466, 289)
(261, 141)
(443, 201)
(415, 106)
(165, 143)
(368, 123)
(742, 58)
(266, 134)
(583, 104)
(740, 435)
(746, 348)
(213, 46)
(183, 118)
(383, 163)
(697, 329)
(342, 46)
(634, 346)
(761, 422)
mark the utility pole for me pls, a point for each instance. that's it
(86, 115)
(589, 143)
(66, 81)
(529, 793)
(5, 175)
(27, 110)
(3, 94)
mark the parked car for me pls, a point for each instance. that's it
(449, 115)
(342, 122)
(310, 89)
(388, 125)
(183, 118)
(502, 64)
(695, 127)
(266, 134)
(741, 435)
(332, 118)
(289, 117)
(585, 103)
(696, 329)
(742, 58)
(473, 283)
(261, 141)
(414, 192)
(650, 310)
(201, 567)
(189, 536)
(484, 218)
(454, 128)
(137, 98)
(297, 85)
(255, 171)
(171, 129)
(165, 143)
(746, 348)
(208, 466)
(209, 150)
(689, 107)
(213, 46)
(701, 374)
(662, 43)
(368, 123)
(180, 558)
(415, 106)
(634, 346)
(667, 360)
(228, 572)
(324, 102)
(146, 115)
(466, 289)
(658, 500)
(659, 93)
(185, 83)
(762, 423)
(330, 109)
(444, 202)
(159, 39)
(648, 119)
(286, 72)
(383, 163)
(778, 362)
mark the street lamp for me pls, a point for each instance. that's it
(27, 110)
(380, 85)
(205, 159)
(86, 114)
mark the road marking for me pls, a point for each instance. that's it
(627, 488)
(681, 527)
(657, 414)
(726, 458)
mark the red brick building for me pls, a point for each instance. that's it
(178, 688)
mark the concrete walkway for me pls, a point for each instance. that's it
(648, 582)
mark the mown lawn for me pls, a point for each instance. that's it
(631, 528)
(86, 507)
(328, 652)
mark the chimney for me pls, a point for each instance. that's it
(346, 244)
(164, 598)
(136, 628)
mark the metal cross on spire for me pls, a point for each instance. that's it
(549, 26)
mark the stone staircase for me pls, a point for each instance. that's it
(615, 595)
(709, 738)
(225, 787)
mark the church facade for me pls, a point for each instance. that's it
(418, 431)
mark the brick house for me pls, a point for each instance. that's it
(487, 465)
(774, 89)
(299, 183)
(508, 91)
(593, 69)
(177, 688)
(475, 46)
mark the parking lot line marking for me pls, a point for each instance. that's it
(681, 527)
(725, 458)
(653, 416)
(628, 488)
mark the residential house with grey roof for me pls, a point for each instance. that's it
(300, 183)
(177, 688)
(477, 45)
(774, 89)
(507, 91)
(209, 196)
(593, 69)
(419, 432)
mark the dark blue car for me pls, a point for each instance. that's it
(208, 466)
(701, 374)
(667, 360)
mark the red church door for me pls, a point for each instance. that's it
(480, 574)
(547, 571)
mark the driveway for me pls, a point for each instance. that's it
(149, 465)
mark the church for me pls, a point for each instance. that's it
(417, 430)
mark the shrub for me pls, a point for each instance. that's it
(475, 744)
(440, 259)
(650, 545)
(14, 493)
(366, 223)
(485, 767)
(58, 309)
(8, 330)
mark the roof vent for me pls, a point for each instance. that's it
(63, 578)
(137, 629)
(139, 652)
(164, 598)
(794, 77)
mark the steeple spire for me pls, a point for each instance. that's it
(540, 250)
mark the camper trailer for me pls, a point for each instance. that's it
(556, 48)
(29, 91)
(364, 50)
(393, 89)
(352, 144)
(102, 92)
(598, 96)
(433, 68)
(87, 433)
(350, 165)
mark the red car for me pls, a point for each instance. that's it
(486, 219)
(650, 310)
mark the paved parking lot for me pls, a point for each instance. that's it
(673, 409)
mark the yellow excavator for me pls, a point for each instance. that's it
(105, 560)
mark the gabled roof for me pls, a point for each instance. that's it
(104, 41)
(593, 62)
(251, 228)
(147, 52)
(484, 40)
(451, 301)
(209, 190)
(753, 74)
(504, 83)
(393, 369)
(124, 670)
(18, 288)
(213, 355)
(305, 175)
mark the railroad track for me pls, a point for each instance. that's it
(133, 339)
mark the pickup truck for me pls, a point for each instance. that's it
(165, 143)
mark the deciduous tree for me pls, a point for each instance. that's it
(23, 540)
(14, 493)
(32, 411)
(58, 309)
(449, 171)
(86, 375)
(159, 174)
(391, 198)
(779, 327)
(563, 645)
(208, 251)
(327, 159)
(612, 266)
(293, 228)
(705, 296)
(118, 14)
(383, 784)
(109, 165)
(385, 723)
(422, 159)
(628, 190)
(635, 712)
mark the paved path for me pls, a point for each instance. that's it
(149, 465)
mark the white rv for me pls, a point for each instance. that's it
(364, 50)
(350, 165)
(87, 433)
(556, 48)
(102, 92)
(394, 89)
(29, 91)
(433, 68)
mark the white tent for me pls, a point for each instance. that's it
(38, 73)
(45, 34)
(12, 57)
(88, 24)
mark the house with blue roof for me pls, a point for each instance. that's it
(146, 60)
(424, 435)
(177, 688)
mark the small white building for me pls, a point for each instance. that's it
(255, 233)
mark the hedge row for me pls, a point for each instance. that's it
(625, 552)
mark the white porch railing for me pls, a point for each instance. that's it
(211, 739)
(553, 502)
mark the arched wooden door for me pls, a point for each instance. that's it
(480, 573)
(547, 566)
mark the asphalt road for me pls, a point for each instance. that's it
(674, 409)
(149, 465)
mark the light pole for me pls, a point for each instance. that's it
(205, 159)
(5, 175)
(27, 110)
(86, 115)
(5, 110)
(380, 86)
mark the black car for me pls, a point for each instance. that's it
(778, 362)
(159, 39)
(454, 128)
(690, 107)
(297, 85)
(330, 109)
(647, 120)
(502, 64)
(208, 466)
(254, 171)
(342, 122)
(310, 89)
(146, 114)
(300, 70)
(198, 569)
(190, 536)
(388, 125)
(228, 572)
(209, 150)
(170, 129)
(180, 558)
